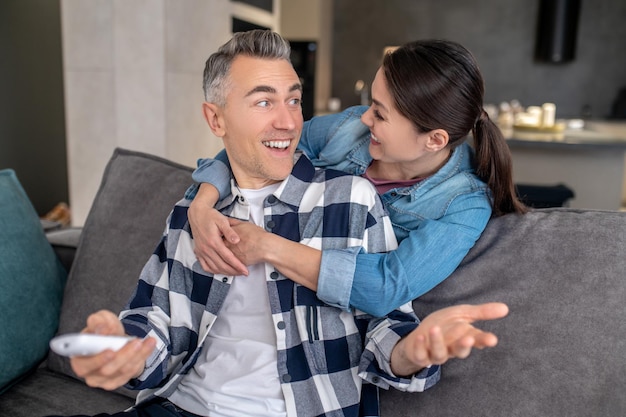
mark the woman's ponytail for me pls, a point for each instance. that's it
(494, 166)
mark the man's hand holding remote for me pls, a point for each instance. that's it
(112, 369)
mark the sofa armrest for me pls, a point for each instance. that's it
(64, 242)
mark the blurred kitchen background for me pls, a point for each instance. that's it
(81, 77)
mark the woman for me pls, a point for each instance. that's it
(440, 193)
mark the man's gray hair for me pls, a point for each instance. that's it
(254, 43)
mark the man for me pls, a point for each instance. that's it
(217, 345)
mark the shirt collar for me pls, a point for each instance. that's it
(291, 189)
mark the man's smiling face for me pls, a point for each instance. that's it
(262, 120)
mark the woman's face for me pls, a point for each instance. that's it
(393, 139)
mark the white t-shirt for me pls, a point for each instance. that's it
(236, 373)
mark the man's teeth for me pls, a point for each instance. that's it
(374, 138)
(277, 144)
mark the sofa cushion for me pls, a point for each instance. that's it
(124, 225)
(47, 393)
(561, 348)
(31, 283)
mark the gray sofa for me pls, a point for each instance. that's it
(562, 349)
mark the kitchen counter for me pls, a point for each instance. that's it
(591, 161)
(595, 134)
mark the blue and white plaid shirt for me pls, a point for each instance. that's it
(324, 353)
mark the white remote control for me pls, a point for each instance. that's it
(86, 344)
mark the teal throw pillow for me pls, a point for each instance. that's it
(31, 284)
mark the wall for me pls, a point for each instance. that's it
(501, 34)
(133, 79)
(132, 68)
(308, 20)
(32, 125)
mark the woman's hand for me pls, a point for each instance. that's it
(225, 246)
(210, 230)
(445, 334)
(110, 370)
(296, 261)
(254, 243)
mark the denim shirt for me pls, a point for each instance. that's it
(436, 221)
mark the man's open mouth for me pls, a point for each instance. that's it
(278, 144)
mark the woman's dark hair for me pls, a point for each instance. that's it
(437, 84)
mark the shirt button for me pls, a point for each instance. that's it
(271, 224)
(286, 378)
(241, 199)
(393, 194)
(274, 275)
(281, 325)
(224, 279)
(271, 199)
(375, 380)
